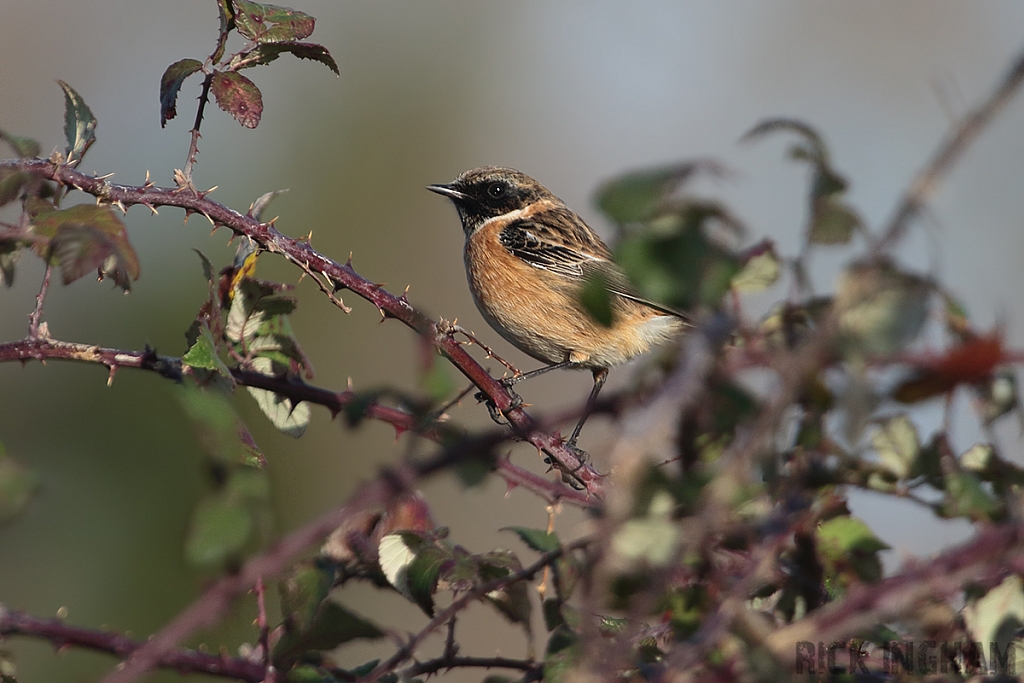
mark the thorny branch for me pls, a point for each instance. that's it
(445, 616)
(569, 460)
(217, 599)
(335, 401)
(14, 623)
(987, 559)
(948, 153)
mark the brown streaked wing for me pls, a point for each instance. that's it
(573, 252)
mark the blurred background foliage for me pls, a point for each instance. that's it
(571, 93)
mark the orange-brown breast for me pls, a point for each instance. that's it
(539, 312)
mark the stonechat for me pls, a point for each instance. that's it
(528, 257)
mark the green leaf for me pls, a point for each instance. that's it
(551, 608)
(512, 599)
(563, 656)
(270, 23)
(25, 148)
(204, 354)
(79, 125)
(638, 196)
(843, 535)
(847, 545)
(978, 458)
(422, 575)
(881, 308)
(256, 211)
(307, 673)
(332, 626)
(207, 266)
(473, 470)
(363, 669)
(221, 432)
(238, 96)
(9, 255)
(955, 313)
(303, 591)
(997, 617)
(678, 264)
(356, 409)
(815, 149)
(652, 539)
(290, 418)
(685, 609)
(395, 556)
(226, 14)
(898, 446)
(11, 183)
(596, 300)
(832, 221)
(999, 396)
(535, 539)
(760, 270)
(437, 381)
(79, 249)
(253, 309)
(17, 486)
(967, 497)
(265, 53)
(249, 483)
(88, 237)
(220, 528)
(170, 84)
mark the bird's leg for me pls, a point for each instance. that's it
(600, 375)
(516, 379)
(509, 382)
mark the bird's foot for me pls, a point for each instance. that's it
(492, 408)
(568, 475)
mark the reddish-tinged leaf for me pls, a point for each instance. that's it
(408, 513)
(170, 84)
(238, 96)
(265, 53)
(969, 363)
(270, 23)
(79, 249)
(88, 237)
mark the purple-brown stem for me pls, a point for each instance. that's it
(569, 460)
(37, 312)
(335, 401)
(59, 634)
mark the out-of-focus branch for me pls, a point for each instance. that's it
(991, 556)
(217, 599)
(534, 670)
(444, 616)
(569, 460)
(42, 349)
(948, 153)
(60, 635)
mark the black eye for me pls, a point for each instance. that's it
(496, 190)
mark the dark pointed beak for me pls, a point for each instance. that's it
(448, 191)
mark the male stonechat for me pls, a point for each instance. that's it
(528, 257)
